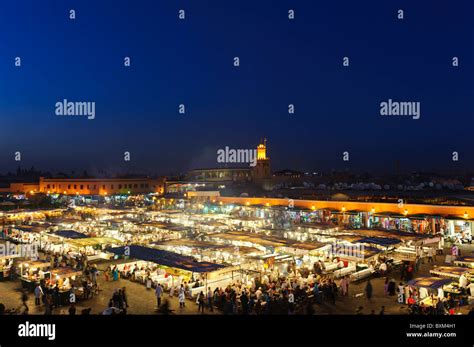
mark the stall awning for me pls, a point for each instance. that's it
(355, 211)
(166, 258)
(424, 216)
(429, 282)
(390, 214)
(93, 241)
(64, 272)
(450, 271)
(381, 241)
(466, 259)
(458, 218)
(70, 234)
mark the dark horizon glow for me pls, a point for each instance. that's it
(282, 62)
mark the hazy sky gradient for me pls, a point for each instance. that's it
(190, 62)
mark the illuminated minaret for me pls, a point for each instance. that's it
(262, 150)
(262, 168)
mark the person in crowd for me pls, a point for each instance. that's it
(158, 293)
(440, 309)
(403, 270)
(430, 254)
(72, 309)
(94, 274)
(258, 293)
(181, 296)
(115, 273)
(463, 282)
(401, 291)
(165, 307)
(106, 274)
(201, 302)
(383, 269)
(209, 299)
(86, 311)
(38, 294)
(244, 300)
(368, 290)
(124, 297)
(344, 286)
(409, 272)
(385, 286)
(48, 304)
(417, 263)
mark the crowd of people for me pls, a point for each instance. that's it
(274, 293)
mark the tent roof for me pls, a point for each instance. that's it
(429, 282)
(382, 241)
(166, 258)
(70, 234)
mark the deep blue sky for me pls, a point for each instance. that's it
(282, 62)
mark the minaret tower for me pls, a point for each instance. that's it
(262, 169)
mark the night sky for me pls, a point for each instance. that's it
(191, 62)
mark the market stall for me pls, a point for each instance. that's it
(451, 271)
(6, 263)
(32, 272)
(93, 247)
(180, 268)
(208, 251)
(66, 278)
(467, 261)
(429, 288)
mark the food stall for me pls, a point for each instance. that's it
(66, 278)
(383, 243)
(209, 251)
(32, 272)
(28, 234)
(463, 278)
(180, 268)
(467, 261)
(93, 247)
(6, 262)
(429, 287)
(357, 265)
(451, 271)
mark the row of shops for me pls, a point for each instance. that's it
(454, 227)
(217, 247)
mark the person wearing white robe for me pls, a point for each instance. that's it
(463, 281)
(181, 297)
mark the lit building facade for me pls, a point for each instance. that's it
(101, 186)
(262, 170)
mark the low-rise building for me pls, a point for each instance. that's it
(102, 186)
